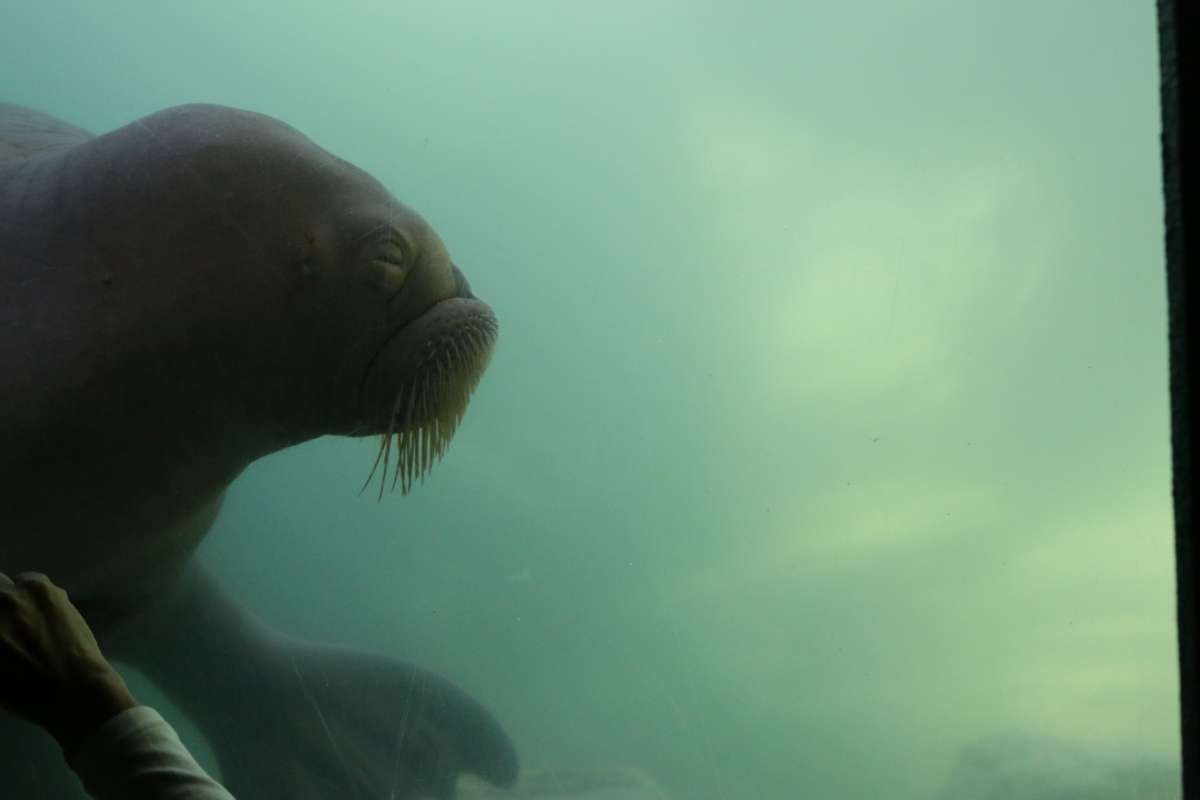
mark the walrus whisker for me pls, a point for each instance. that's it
(385, 448)
(403, 447)
(429, 409)
(431, 404)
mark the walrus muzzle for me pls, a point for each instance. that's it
(417, 388)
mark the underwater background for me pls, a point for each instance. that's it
(825, 452)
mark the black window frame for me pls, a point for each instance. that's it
(1177, 61)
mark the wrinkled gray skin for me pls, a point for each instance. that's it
(178, 298)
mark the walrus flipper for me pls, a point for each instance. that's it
(32, 765)
(290, 720)
(347, 724)
(25, 133)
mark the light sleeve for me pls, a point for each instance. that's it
(136, 755)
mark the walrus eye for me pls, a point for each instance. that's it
(395, 261)
(394, 253)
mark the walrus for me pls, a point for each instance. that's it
(180, 297)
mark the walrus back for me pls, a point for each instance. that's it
(25, 134)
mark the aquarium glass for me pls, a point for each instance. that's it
(825, 451)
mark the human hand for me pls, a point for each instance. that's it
(52, 672)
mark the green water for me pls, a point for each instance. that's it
(827, 437)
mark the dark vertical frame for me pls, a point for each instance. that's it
(1177, 53)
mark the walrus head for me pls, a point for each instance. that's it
(282, 293)
(417, 387)
(437, 340)
(372, 278)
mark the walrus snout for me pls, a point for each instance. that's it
(418, 386)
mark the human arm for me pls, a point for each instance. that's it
(53, 674)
